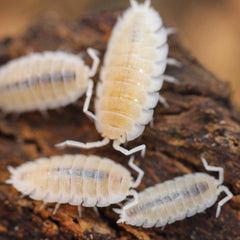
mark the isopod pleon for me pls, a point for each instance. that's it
(75, 179)
(131, 76)
(175, 199)
(42, 81)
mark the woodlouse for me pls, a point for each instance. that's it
(75, 179)
(175, 199)
(47, 80)
(131, 77)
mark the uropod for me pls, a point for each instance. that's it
(131, 76)
(90, 181)
(175, 199)
(42, 81)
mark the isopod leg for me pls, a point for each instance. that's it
(163, 101)
(56, 208)
(132, 203)
(88, 99)
(129, 205)
(43, 206)
(96, 210)
(162, 228)
(44, 114)
(151, 123)
(170, 31)
(22, 196)
(174, 62)
(170, 79)
(138, 170)
(133, 3)
(142, 148)
(117, 210)
(94, 55)
(69, 143)
(224, 200)
(213, 169)
(79, 208)
(147, 3)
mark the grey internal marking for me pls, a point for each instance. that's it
(192, 191)
(81, 173)
(44, 78)
(196, 189)
(202, 187)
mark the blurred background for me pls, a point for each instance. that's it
(210, 29)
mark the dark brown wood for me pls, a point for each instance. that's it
(200, 120)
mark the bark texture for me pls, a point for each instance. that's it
(200, 120)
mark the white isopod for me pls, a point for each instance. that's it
(132, 75)
(75, 179)
(47, 80)
(175, 199)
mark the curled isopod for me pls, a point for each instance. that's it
(42, 81)
(175, 199)
(75, 179)
(132, 75)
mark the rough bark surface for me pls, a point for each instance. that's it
(200, 120)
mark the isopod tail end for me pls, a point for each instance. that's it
(11, 169)
(9, 181)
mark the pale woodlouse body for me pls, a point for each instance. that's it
(175, 199)
(131, 76)
(42, 81)
(75, 179)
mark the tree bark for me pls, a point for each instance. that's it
(200, 120)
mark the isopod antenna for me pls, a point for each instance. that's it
(221, 188)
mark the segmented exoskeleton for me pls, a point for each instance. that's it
(175, 199)
(131, 77)
(42, 81)
(75, 179)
